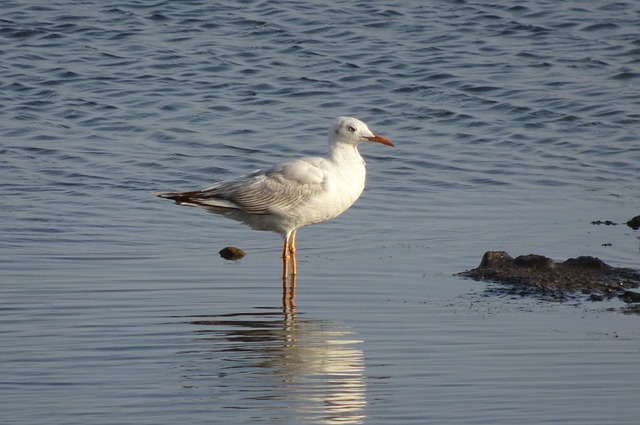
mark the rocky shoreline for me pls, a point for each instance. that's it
(537, 275)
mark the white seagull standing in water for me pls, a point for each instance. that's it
(294, 193)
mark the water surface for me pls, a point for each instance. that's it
(515, 126)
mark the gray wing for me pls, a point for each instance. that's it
(281, 188)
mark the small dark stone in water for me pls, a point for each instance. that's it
(606, 222)
(231, 253)
(634, 223)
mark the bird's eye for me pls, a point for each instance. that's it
(351, 129)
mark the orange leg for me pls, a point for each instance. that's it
(285, 259)
(289, 256)
(292, 252)
(294, 269)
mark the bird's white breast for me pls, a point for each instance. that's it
(343, 184)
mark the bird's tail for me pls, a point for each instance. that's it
(180, 198)
(197, 198)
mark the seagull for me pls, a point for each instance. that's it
(294, 193)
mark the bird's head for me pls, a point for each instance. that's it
(353, 131)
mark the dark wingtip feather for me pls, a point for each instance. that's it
(178, 197)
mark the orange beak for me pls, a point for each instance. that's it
(380, 139)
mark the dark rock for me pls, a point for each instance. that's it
(586, 262)
(539, 275)
(634, 223)
(495, 259)
(630, 297)
(606, 222)
(231, 253)
(596, 297)
(534, 261)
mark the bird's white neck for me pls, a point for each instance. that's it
(343, 152)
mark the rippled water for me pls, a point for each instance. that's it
(515, 126)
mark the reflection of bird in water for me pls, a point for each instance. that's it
(294, 193)
(283, 366)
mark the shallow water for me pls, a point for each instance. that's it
(515, 127)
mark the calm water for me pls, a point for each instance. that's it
(515, 127)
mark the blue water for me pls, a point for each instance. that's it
(515, 126)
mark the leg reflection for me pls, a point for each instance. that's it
(281, 366)
(289, 293)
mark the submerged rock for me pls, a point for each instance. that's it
(231, 253)
(539, 275)
(634, 223)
